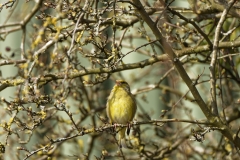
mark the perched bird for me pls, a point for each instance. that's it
(121, 106)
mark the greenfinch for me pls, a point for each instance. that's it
(121, 107)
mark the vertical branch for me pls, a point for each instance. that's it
(212, 67)
(114, 47)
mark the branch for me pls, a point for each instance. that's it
(176, 62)
(191, 21)
(74, 74)
(214, 108)
(49, 146)
(226, 131)
(9, 62)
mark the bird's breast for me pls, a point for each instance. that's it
(122, 108)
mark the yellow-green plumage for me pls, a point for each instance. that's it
(121, 106)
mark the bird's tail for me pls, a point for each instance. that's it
(122, 140)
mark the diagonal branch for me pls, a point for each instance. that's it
(176, 62)
(225, 130)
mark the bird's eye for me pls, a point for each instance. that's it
(126, 86)
(125, 83)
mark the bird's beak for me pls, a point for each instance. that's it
(118, 82)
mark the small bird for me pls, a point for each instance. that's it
(121, 106)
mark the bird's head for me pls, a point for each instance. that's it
(123, 84)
